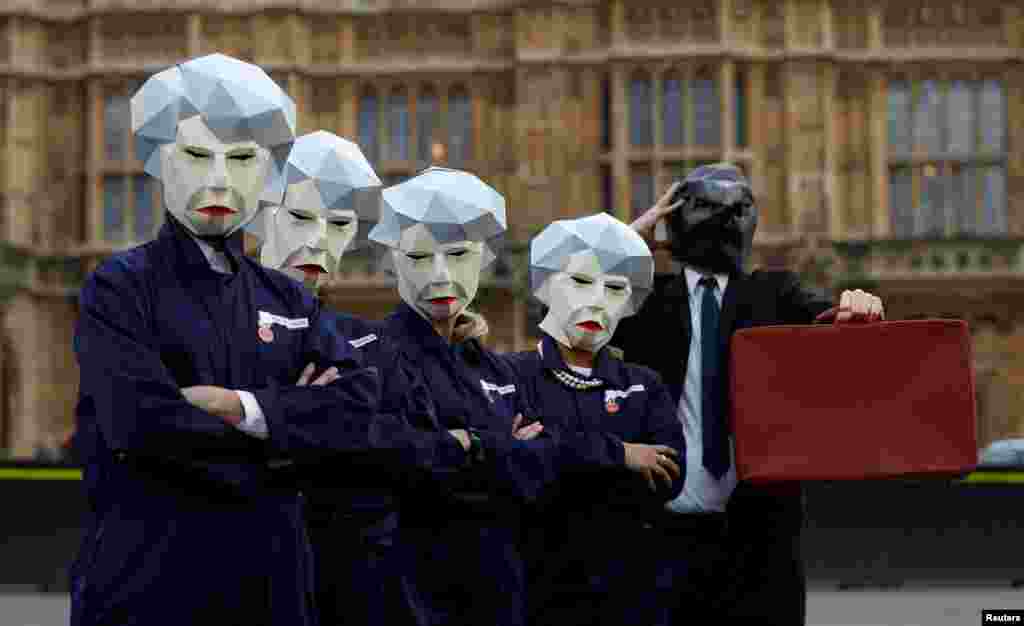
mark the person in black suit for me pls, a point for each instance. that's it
(731, 551)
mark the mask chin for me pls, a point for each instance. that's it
(588, 342)
(709, 246)
(440, 313)
(309, 281)
(567, 333)
(416, 285)
(205, 226)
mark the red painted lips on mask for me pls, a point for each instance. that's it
(216, 210)
(592, 327)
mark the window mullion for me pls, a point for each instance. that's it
(977, 159)
(387, 148)
(443, 134)
(915, 195)
(414, 125)
(689, 127)
(657, 129)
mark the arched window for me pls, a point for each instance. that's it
(899, 117)
(993, 204)
(146, 212)
(740, 107)
(460, 127)
(950, 136)
(113, 208)
(960, 115)
(672, 109)
(428, 109)
(641, 126)
(706, 109)
(116, 124)
(928, 117)
(397, 147)
(368, 123)
(642, 194)
(992, 105)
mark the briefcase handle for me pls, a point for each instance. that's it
(829, 315)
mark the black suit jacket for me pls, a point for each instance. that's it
(659, 336)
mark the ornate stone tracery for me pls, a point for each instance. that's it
(811, 77)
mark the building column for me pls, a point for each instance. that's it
(830, 76)
(755, 129)
(22, 326)
(194, 33)
(620, 145)
(830, 187)
(879, 147)
(727, 78)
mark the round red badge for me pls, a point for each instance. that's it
(612, 406)
(266, 334)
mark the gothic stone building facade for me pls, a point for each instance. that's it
(883, 139)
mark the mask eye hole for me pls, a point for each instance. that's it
(616, 287)
(417, 256)
(197, 154)
(300, 216)
(457, 253)
(242, 156)
(340, 223)
(579, 280)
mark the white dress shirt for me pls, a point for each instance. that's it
(254, 422)
(583, 371)
(702, 492)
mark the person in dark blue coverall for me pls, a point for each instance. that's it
(351, 506)
(593, 561)
(188, 354)
(460, 539)
(730, 550)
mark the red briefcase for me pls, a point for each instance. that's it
(853, 401)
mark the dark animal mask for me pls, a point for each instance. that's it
(713, 228)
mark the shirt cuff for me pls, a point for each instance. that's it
(253, 422)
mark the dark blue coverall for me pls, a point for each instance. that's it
(459, 538)
(591, 558)
(189, 522)
(352, 501)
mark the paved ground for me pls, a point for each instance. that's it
(945, 606)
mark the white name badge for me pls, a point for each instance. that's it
(500, 390)
(269, 319)
(610, 395)
(362, 341)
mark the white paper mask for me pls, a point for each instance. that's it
(437, 280)
(591, 273)
(307, 244)
(332, 195)
(216, 132)
(211, 187)
(585, 304)
(441, 226)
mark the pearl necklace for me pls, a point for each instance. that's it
(571, 380)
(574, 382)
